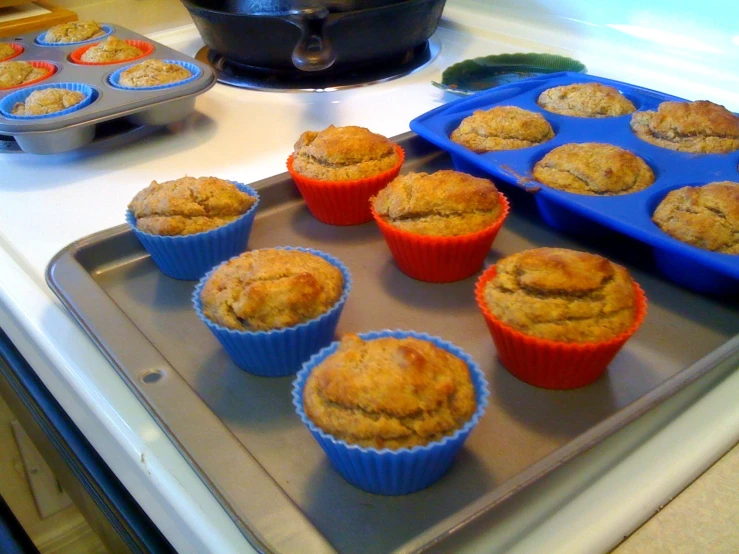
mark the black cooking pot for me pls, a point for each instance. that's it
(313, 35)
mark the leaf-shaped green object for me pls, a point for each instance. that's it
(471, 76)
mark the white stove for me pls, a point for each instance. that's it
(48, 202)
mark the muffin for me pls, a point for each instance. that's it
(7, 51)
(112, 49)
(48, 101)
(502, 128)
(706, 217)
(189, 205)
(151, 73)
(74, 31)
(272, 309)
(701, 127)
(13, 74)
(439, 226)
(558, 316)
(338, 169)
(270, 289)
(585, 100)
(190, 224)
(445, 203)
(594, 169)
(383, 404)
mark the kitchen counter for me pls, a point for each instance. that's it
(588, 505)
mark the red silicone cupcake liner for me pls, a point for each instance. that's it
(552, 364)
(46, 65)
(145, 47)
(17, 48)
(343, 202)
(441, 259)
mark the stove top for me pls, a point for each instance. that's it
(276, 80)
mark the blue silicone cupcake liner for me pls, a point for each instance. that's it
(627, 214)
(7, 103)
(115, 77)
(386, 471)
(189, 257)
(40, 40)
(278, 352)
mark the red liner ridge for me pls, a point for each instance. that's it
(145, 47)
(38, 64)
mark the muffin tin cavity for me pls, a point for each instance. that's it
(113, 107)
(146, 48)
(628, 214)
(7, 103)
(115, 77)
(17, 51)
(41, 39)
(51, 70)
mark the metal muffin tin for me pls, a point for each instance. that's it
(146, 107)
(629, 214)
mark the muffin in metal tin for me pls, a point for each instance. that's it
(74, 31)
(112, 49)
(13, 74)
(152, 73)
(48, 101)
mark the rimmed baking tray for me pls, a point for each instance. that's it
(241, 435)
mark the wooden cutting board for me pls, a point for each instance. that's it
(31, 16)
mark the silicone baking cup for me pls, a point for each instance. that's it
(440, 259)
(278, 352)
(17, 51)
(7, 103)
(189, 257)
(343, 202)
(115, 78)
(51, 70)
(386, 471)
(552, 364)
(145, 47)
(41, 39)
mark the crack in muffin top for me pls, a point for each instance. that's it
(269, 289)
(188, 205)
(502, 128)
(562, 295)
(594, 169)
(701, 127)
(706, 217)
(343, 153)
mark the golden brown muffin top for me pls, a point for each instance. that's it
(6, 50)
(444, 203)
(585, 100)
(343, 153)
(188, 205)
(271, 289)
(562, 295)
(14, 73)
(153, 72)
(701, 126)
(389, 392)
(74, 31)
(706, 217)
(593, 168)
(48, 100)
(502, 128)
(112, 49)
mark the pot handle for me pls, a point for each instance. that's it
(314, 51)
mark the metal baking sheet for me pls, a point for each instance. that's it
(241, 435)
(78, 128)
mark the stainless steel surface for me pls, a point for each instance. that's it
(240, 432)
(76, 129)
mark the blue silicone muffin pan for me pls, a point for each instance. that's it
(629, 214)
(109, 104)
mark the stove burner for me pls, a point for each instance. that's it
(233, 73)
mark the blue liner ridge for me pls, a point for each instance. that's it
(7, 103)
(40, 39)
(114, 78)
